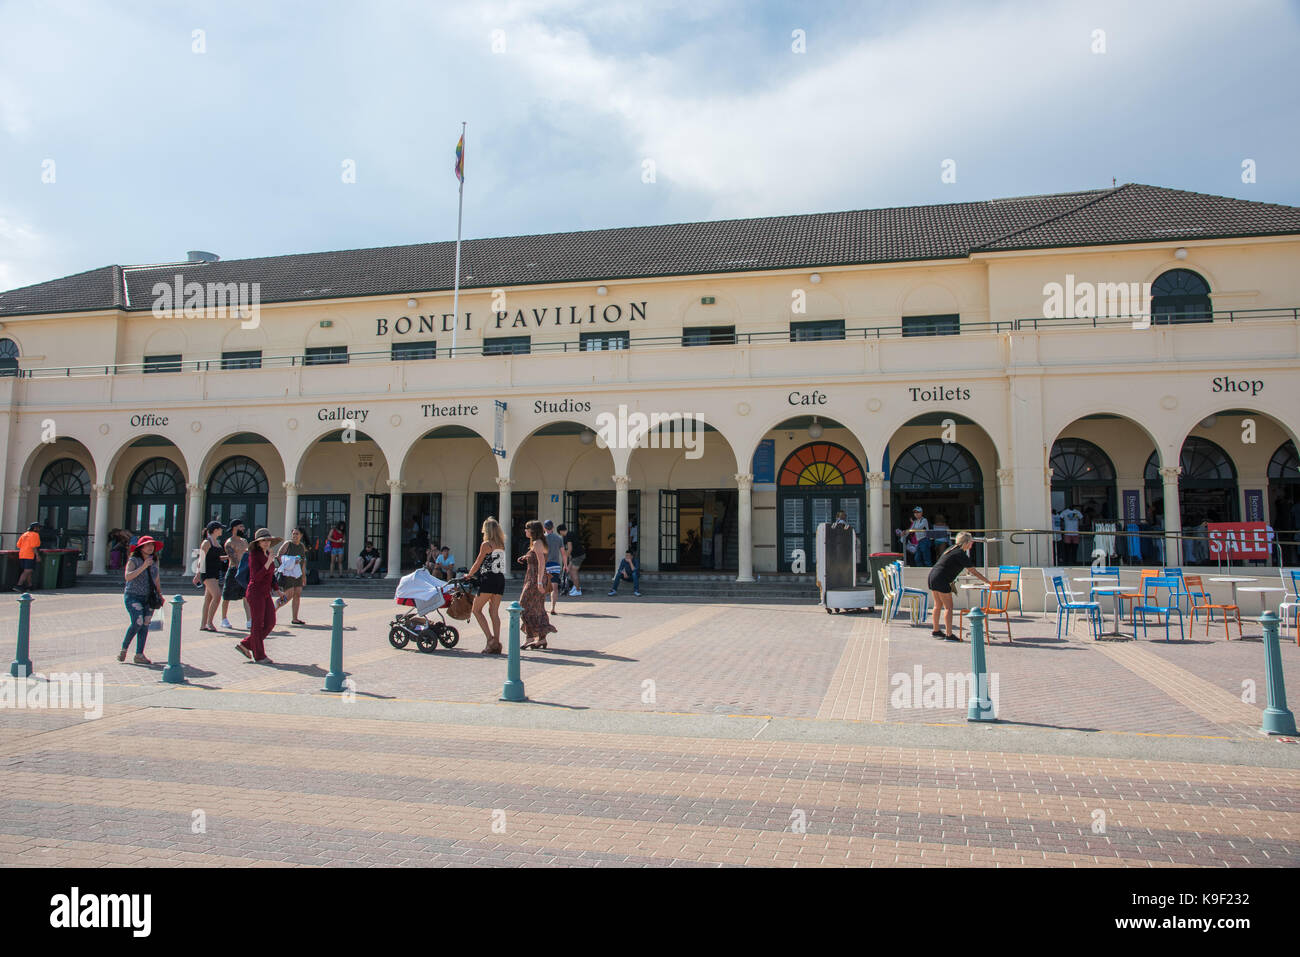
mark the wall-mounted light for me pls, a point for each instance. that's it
(1180, 252)
(326, 323)
(815, 430)
(410, 304)
(1209, 421)
(706, 300)
(815, 278)
(586, 437)
(601, 290)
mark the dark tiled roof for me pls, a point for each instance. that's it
(1126, 214)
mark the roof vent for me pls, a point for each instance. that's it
(199, 256)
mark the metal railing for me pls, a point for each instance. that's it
(485, 349)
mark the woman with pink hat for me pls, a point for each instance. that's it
(143, 596)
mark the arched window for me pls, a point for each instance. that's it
(934, 464)
(821, 463)
(8, 357)
(155, 504)
(1202, 461)
(1076, 460)
(1180, 295)
(238, 476)
(158, 478)
(65, 478)
(1285, 464)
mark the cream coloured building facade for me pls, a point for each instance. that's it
(863, 361)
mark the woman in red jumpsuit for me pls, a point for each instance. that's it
(261, 562)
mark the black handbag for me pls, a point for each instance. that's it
(155, 595)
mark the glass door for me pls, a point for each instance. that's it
(668, 530)
(317, 514)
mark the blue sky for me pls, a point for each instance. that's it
(239, 149)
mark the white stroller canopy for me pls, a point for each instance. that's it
(428, 593)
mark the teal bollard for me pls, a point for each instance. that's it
(980, 707)
(174, 674)
(22, 665)
(1278, 719)
(514, 686)
(334, 680)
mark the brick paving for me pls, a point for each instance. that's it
(285, 779)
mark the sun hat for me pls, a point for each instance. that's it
(265, 533)
(146, 540)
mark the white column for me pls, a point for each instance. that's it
(745, 484)
(1173, 516)
(24, 519)
(291, 490)
(1046, 551)
(99, 550)
(621, 483)
(1006, 510)
(193, 523)
(876, 512)
(503, 518)
(395, 487)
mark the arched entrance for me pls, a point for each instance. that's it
(64, 504)
(155, 504)
(941, 477)
(238, 489)
(1284, 493)
(1083, 478)
(816, 481)
(1207, 487)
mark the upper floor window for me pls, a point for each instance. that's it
(1180, 295)
(8, 357)
(414, 350)
(709, 336)
(325, 355)
(246, 359)
(596, 341)
(508, 346)
(946, 325)
(162, 363)
(817, 329)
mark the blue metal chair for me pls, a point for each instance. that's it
(1064, 606)
(1171, 606)
(1291, 603)
(1103, 571)
(904, 590)
(1178, 573)
(1011, 573)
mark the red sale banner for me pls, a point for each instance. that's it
(1238, 540)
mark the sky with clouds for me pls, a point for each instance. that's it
(156, 148)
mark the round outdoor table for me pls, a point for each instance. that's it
(980, 586)
(1262, 589)
(1234, 580)
(1114, 591)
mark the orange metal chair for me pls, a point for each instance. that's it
(1136, 596)
(994, 600)
(1201, 602)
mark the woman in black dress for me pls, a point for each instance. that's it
(210, 568)
(951, 563)
(490, 566)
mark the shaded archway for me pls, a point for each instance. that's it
(1284, 495)
(340, 478)
(155, 504)
(448, 488)
(63, 505)
(238, 488)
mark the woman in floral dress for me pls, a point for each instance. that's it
(537, 583)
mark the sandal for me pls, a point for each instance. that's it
(244, 651)
(297, 621)
(541, 645)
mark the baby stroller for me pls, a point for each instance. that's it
(428, 594)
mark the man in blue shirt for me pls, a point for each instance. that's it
(629, 570)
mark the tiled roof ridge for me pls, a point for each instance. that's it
(117, 275)
(1101, 197)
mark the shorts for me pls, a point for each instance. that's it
(26, 563)
(575, 561)
(492, 583)
(232, 591)
(286, 583)
(1071, 538)
(948, 588)
(554, 569)
(206, 577)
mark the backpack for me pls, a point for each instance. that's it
(241, 573)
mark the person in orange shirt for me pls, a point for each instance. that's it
(29, 549)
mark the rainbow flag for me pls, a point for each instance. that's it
(460, 159)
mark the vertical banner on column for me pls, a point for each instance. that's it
(499, 429)
(1132, 506)
(764, 466)
(1254, 505)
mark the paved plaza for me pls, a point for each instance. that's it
(656, 734)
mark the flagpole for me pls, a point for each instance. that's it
(460, 212)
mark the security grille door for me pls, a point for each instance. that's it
(668, 530)
(792, 529)
(571, 511)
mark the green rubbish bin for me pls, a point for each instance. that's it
(9, 570)
(877, 561)
(47, 567)
(68, 567)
